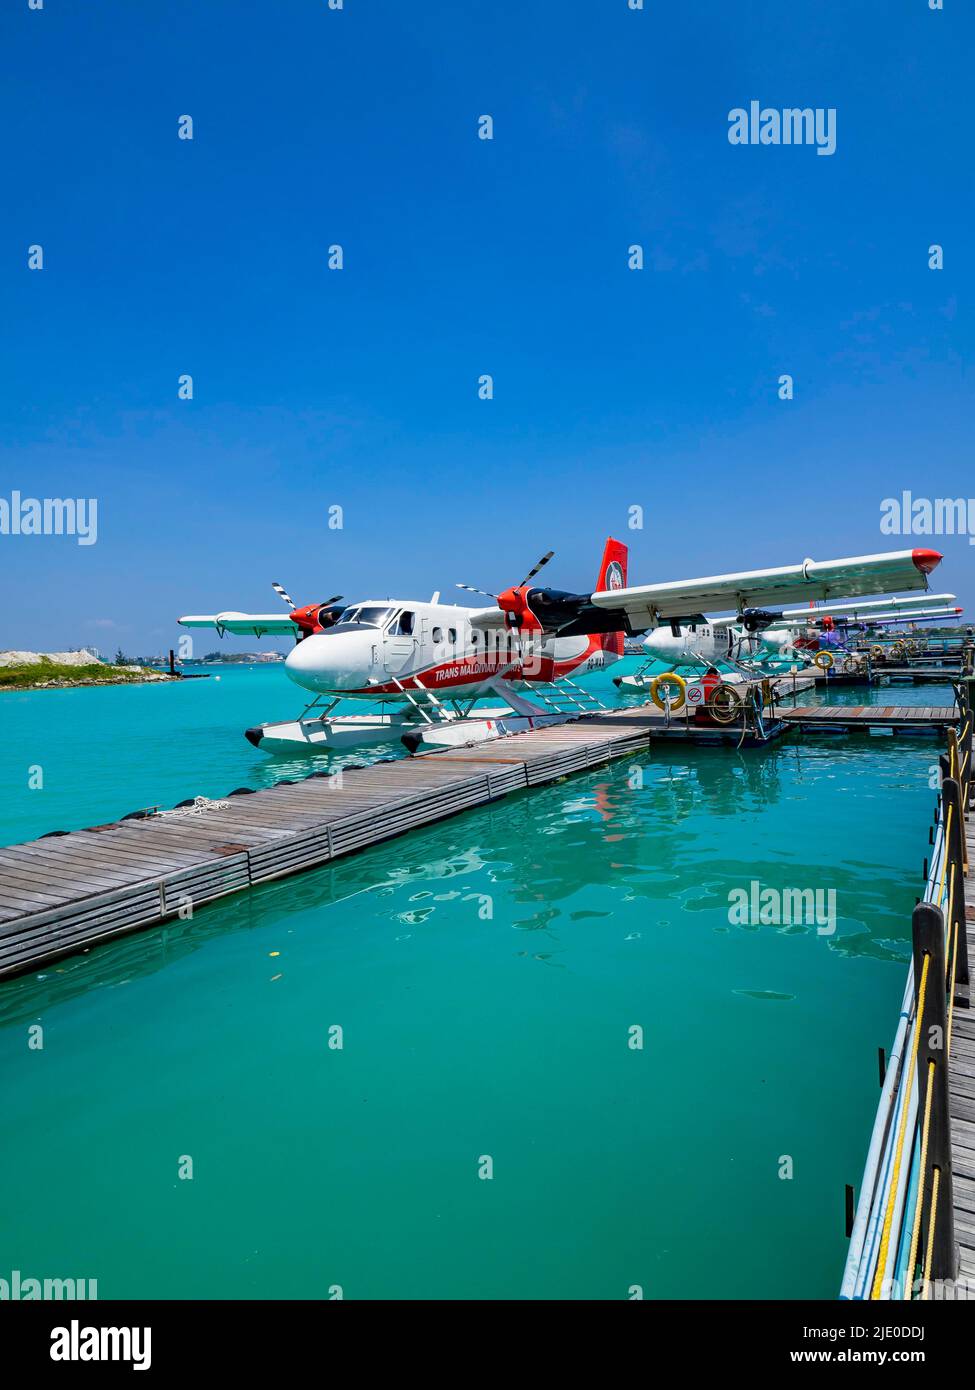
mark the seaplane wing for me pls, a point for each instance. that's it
(864, 617)
(242, 624)
(868, 606)
(645, 605)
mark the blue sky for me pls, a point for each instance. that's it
(358, 387)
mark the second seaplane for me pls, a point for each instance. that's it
(760, 641)
(424, 668)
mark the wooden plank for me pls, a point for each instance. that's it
(109, 857)
(46, 868)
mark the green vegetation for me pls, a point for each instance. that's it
(44, 673)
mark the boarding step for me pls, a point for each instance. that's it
(563, 697)
(430, 709)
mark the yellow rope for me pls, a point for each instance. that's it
(954, 966)
(916, 1232)
(889, 1214)
(935, 1184)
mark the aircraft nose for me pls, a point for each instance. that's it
(326, 662)
(307, 664)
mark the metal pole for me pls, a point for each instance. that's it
(928, 930)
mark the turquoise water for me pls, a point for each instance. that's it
(106, 752)
(486, 974)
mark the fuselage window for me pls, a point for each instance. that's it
(372, 617)
(438, 634)
(451, 635)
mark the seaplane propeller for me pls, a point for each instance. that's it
(527, 609)
(282, 591)
(539, 566)
(527, 579)
(312, 617)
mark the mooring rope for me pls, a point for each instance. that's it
(916, 1232)
(944, 858)
(951, 1006)
(875, 1292)
(199, 805)
(935, 1184)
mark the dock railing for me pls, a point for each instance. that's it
(902, 1237)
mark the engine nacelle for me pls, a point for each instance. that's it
(315, 617)
(755, 619)
(539, 610)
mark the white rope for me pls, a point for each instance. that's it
(200, 804)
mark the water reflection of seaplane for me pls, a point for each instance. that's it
(426, 665)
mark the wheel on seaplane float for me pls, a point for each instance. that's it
(668, 678)
(724, 703)
(824, 660)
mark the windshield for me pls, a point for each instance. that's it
(372, 617)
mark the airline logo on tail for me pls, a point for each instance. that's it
(612, 576)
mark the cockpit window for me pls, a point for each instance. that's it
(371, 617)
(405, 625)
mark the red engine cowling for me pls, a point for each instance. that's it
(315, 617)
(518, 617)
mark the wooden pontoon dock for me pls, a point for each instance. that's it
(69, 891)
(863, 718)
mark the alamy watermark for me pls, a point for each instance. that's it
(77, 1343)
(908, 515)
(24, 1288)
(756, 906)
(50, 516)
(793, 125)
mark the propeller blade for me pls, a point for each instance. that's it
(541, 565)
(471, 590)
(329, 601)
(278, 589)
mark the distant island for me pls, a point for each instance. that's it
(238, 658)
(59, 670)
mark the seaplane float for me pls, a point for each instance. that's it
(421, 670)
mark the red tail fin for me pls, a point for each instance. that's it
(612, 575)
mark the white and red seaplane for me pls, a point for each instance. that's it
(424, 667)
